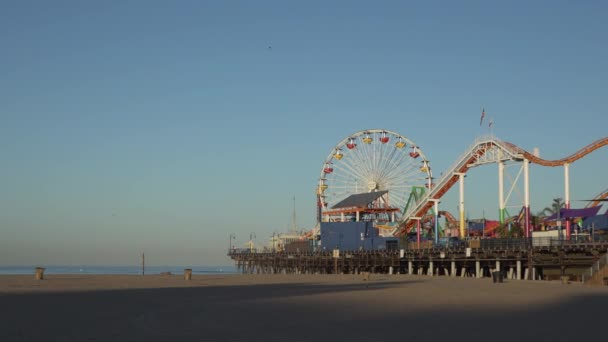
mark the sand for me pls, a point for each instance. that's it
(296, 308)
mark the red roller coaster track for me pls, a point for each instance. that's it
(479, 150)
(567, 160)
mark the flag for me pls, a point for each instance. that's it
(483, 114)
(491, 123)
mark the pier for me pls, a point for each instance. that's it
(514, 258)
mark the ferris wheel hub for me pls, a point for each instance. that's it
(371, 186)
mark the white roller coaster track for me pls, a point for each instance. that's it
(484, 150)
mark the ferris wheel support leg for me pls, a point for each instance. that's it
(501, 195)
(527, 197)
(567, 195)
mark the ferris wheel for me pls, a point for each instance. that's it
(373, 160)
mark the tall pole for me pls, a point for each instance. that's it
(567, 195)
(251, 237)
(501, 195)
(418, 227)
(527, 196)
(436, 220)
(319, 209)
(461, 205)
(559, 223)
(294, 214)
(232, 237)
(143, 264)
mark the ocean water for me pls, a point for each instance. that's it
(135, 270)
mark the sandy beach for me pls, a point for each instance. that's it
(295, 308)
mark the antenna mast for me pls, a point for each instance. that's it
(293, 223)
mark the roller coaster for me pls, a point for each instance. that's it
(485, 150)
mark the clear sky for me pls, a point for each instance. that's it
(164, 126)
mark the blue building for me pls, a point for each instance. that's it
(354, 236)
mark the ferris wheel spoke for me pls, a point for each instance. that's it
(398, 166)
(398, 201)
(407, 167)
(340, 180)
(395, 162)
(371, 157)
(392, 172)
(403, 181)
(338, 184)
(389, 153)
(363, 160)
(339, 196)
(411, 170)
(373, 153)
(341, 191)
(352, 168)
(354, 165)
(346, 184)
(344, 178)
(376, 155)
(388, 160)
(343, 187)
(405, 186)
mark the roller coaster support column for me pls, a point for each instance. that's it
(501, 195)
(417, 229)
(436, 201)
(567, 195)
(461, 204)
(527, 197)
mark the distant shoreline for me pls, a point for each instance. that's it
(114, 270)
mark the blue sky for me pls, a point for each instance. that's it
(130, 126)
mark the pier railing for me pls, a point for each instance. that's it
(493, 244)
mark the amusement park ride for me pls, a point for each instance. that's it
(398, 170)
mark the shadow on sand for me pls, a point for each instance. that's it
(270, 313)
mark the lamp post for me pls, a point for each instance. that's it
(251, 237)
(232, 237)
(559, 224)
